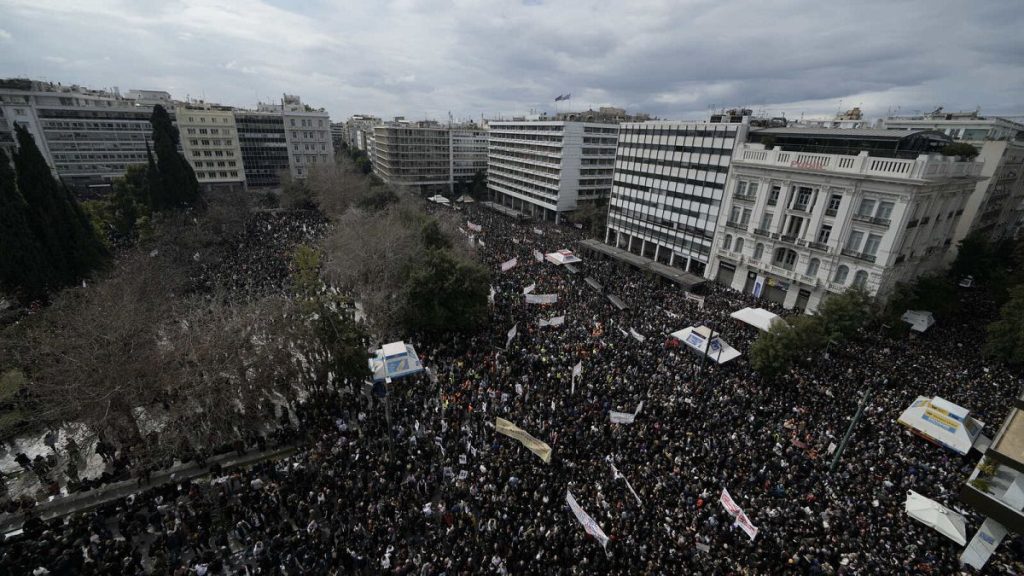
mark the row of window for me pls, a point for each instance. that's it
(215, 142)
(213, 153)
(786, 258)
(709, 132)
(308, 122)
(663, 165)
(215, 131)
(204, 175)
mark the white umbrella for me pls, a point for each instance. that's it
(941, 519)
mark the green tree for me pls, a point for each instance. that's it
(975, 257)
(960, 149)
(842, 315)
(786, 343)
(444, 294)
(57, 219)
(176, 184)
(478, 186)
(24, 269)
(1006, 335)
(433, 237)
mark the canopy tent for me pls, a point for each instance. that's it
(757, 317)
(440, 200)
(562, 257)
(465, 199)
(697, 339)
(919, 320)
(936, 516)
(943, 423)
(395, 360)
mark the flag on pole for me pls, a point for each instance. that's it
(506, 266)
(586, 520)
(511, 334)
(576, 371)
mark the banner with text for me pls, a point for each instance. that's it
(532, 444)
(541, 298)
(741, 517)
(506, 266)
(589, 524)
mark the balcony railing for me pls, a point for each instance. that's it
(831, 211)
(858, 255)
(762, 232)
(924, 167)
(744, 197)
(819, 246)
(871, 219)
(737, 225)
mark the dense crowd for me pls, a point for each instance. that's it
(442, 493)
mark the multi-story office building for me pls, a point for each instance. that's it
(668, 186)
(209, 141)
(469, 152)
(308, 134)
(418, 156)
(545, 168)
(822, 210)
(996, 207)
(261, 136)
(357, 129)
(88, 137)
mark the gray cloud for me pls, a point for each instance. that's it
(425, 58)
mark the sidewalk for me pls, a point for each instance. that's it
(84, 501)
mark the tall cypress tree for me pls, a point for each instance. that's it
(56, 217)
(176, 184)
(24, 268)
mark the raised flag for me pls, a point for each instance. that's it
(576, 371)
(529, 288)
(511, 335)
(589, 525)
(506, 266)
(532, 444)
(637, 335)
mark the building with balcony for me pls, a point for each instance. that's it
(995, 489)
(209, 141)
(261, 136)
(308, 134)
(668, 185)
(414, 155)
(545, 168)
(995, 207)
(355, 130)
(824, 212)
(88, 137)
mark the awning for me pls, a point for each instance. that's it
(919, 320)
(465, 198)
(757, 317)
(395, 360)
(696, 338)
(562, 257)
(936, 516)
(440, 199)
(943, 423)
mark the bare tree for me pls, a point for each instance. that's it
(338, 186)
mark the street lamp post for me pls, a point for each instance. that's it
(849, 432)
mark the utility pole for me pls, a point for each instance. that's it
(387, 416)
(849, 432)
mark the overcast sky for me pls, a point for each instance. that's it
(424, 58)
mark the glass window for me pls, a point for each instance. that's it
(834, 201)
(867, 207)
(739, 245)
(727, 243)
(853, 242)
(884, 210)
(841, 273)
(741, 188)
(773, 196)
(871, 246)
(812, 267)
(860, 279)
(758, 251)
(766, 220)
(824, 233)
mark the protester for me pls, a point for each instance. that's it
(441, 492)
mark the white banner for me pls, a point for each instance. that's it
(621, 417)
(541, 298)
(637, 335)
(474, 227)
(538, 256)
(741, 517)
(538, 231)
(511, 335)
(506, 266)
(588, 523)
(616, 475)
(694, 298)
(576, 371)
(530, 288)
(556, 321)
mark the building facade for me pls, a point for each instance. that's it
(798, 225)
(996, 208)
(261, 137)
(668, 186)
(413, 155)
(546, 168)
(88, 137)
(308, 134)
(469, 152)
(209, 141)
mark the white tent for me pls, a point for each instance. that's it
(936, 516)
(697, 340)
(562, 257)
(440, 200)
(943, 423)
(757, 317)
(465, 198)
(919, 320)
(395, 360)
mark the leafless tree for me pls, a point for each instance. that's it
(336, 187)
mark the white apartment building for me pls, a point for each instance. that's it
(801, 222)
(209, 141)
(996, 208)
(416, 156)
(469, 152)
(668, 186)
(308, 134)
(89, 137)
(546, 168)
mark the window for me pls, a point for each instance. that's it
(206, 142)
(293, 124)
(766, 220)
(833, 204)
(191, 130)
(812, 267)
(803, 198)
(741, 188)
(203, 131)
(727, 243)
(795, 224)
(841, 273)
(785, 257)
(773, 196)
(867, 207)
(860, 279)
(758, 251)
(853, 242)
(871, 246)
(824, 233)
(884, 210)
(752, 189)
(739, 245)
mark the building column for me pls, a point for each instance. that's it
(657, 251)
(672, 258)
(607, 234)
(815, 300)
(791, 296)
(739, 278)
(629, 246)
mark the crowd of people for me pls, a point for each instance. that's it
(441, 492)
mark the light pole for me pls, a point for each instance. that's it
(849, 432)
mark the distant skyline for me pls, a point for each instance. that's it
(421, 59)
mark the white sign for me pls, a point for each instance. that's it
(541, 298)
(506, 266)
(474, 227)
(585, 519)
(694, 298)
(538, 231)
(637, 335)
(538, 256)
(741, 518)
(621, 417)
(556, 321)
(511, 335)
(530, 288)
